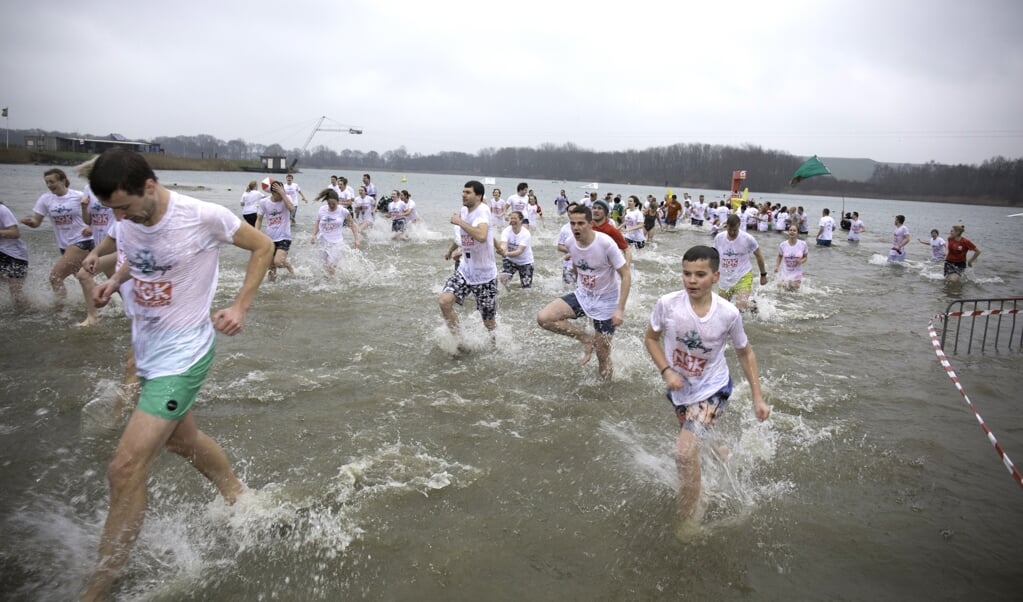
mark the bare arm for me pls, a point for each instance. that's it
(102, 292)
(976, 254)
(355, 231)
(231, 320)
(652, 342)
(748, 361)
(33, 221)
(105, 247)
(10, 232)
(623, 295)
(761, 265)
(478, 233)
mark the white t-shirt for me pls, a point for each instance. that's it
(477, 266)
(174, 267)
(900, 235)
(750, 217)
(938, 248)
(292, 191)
(363, 207)
(276, 217)
(127, 287)
(347, 196)
(517, 203)
(855, 227)
(100, 216)
(734, 254)
(396, 209)
(331, 224)
(514, 241)
(66, 214)
(411, 207)
(533, 213)
(597, 282)
(14, 247)
(791, 269)
(633, 218)
(828, 223)
(564, 234)
(695, 346)
(497, 207)
(250, 201)
(781, 221)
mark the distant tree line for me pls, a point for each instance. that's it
(694, 165)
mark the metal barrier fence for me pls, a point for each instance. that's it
(983, 325)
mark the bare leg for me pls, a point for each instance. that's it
(85, 279)
(602, 345)
(128, 394)
(69, 263)
(687, 462)
(555, 318)
(281, 261)
(140, 443)
(105, 265)
(447, 309)
(16, 288)
(206, 456)
(742, 300)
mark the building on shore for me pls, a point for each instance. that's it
(45, 142)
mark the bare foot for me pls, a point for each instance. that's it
(587, 350)
(89, 321)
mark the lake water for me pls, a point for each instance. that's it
(383, 469)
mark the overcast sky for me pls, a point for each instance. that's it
(890, 80)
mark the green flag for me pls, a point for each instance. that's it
(812, 167)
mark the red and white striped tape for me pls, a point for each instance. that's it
(974, 314)
(955, 380)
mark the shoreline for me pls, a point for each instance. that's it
(164, 162)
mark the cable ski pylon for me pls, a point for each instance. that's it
(955, 380)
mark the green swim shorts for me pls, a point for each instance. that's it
(170, 397)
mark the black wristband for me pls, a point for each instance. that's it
(663, 369)
(762, 274)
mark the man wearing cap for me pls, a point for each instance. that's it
(600, 211)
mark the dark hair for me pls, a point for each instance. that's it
(521, 186)
(732, 220)
(519, 213)
(901, 219)
(55, 171)
(700, 252)
(327, 193)
(477, 187)
(580, 209)
(120, 169)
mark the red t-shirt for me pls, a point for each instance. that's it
(613, 232)
(957, 249)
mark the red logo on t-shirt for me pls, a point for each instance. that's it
(689, 364)
(152, 294)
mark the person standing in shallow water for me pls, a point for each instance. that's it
(602, 288)
(900, 238)
(686, 339)
(955, 261)
(64, 208)
(172, 244)
(275, 211)
(476, 272)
